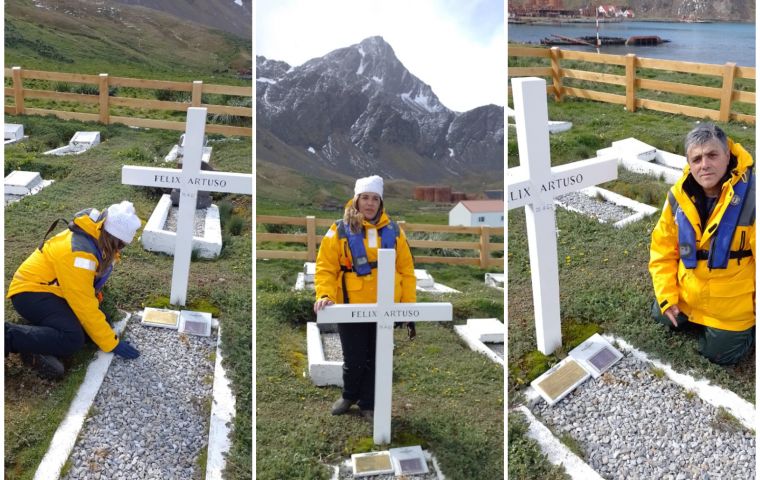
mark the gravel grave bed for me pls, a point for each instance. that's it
(631, 423)
(199, 223)
(150, 418)
(602, 210)
(497, 348)
(331, 347)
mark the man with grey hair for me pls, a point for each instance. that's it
(702, 256)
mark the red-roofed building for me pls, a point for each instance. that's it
(477, 213)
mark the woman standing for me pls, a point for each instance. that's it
(57, 289)
(347, 273)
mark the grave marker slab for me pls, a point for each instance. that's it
(409, 460)
(534, 185)
(20, 182)
(488, 330)
(309, 270)
(13, 132)
(495, 280)
(195, 323)
(371, 463)
(160, 317)
(79, 143)
(560, 380)
(596, 355)
(385, 313)
(424, 279)
(189, 180)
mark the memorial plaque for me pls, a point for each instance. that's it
(409, 460)
(195, 323)
(159, 317)
(596, 355)
(372, 463)
(560, 380)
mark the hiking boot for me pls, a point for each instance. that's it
(368, 414)
(341, 406)
(46, 366)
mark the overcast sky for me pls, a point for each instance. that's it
(458, 47)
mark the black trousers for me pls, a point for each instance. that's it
(54, 329)
(358, 343)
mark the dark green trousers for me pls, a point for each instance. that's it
(724, 347)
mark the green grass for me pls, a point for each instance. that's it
(445, 397)
(526, 460)
(34, 409)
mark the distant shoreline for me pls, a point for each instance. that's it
(560, 21)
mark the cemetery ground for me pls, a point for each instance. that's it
(605, 284)
(33, 407)
(446, 398)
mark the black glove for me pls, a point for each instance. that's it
(125, 350)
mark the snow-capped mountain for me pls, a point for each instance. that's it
(358, 110)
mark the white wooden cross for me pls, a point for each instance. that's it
(534, 185)
(385, 312)
(189, 181)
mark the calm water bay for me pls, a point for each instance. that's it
(716, 43)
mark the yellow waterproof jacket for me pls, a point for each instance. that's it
(721, 298)
(334, 252)
(66, 266)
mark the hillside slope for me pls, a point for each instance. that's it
(89, 37)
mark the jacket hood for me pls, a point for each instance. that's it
(90, 221)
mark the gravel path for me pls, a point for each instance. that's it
(632, 424)
(150, 418)
(603, 210)
(199, 225)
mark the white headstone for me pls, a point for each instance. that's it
(309, 270)
(13, 132)
(488, 330)
(495, 280)
(189, 181)
(85, 138)
(19, 182)
(385, 313)
(534, 185)
(424, 279)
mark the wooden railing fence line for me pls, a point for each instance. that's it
(727, 94)
(104, 101)
(316, 227)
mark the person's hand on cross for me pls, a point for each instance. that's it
(322, 303)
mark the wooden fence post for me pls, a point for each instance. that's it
(727, 91)
(485, 254)
(103, 91)
(556, 73)
(311, 238)
(197, 93)
(630, 82)
(18, 90)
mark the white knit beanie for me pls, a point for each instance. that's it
(373, 184)
(122, 221)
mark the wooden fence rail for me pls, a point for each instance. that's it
(727, 94)
(316, 227)
(104, 101)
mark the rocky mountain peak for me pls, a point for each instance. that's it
(354, 104)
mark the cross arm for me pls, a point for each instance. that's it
(397, 312)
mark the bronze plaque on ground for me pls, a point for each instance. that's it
(560, 380)
(156, 317)
(373, 463)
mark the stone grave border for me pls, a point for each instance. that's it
(475, 344)
(75, 147)
(642, 209)
(222, 414)
(322, 372)
(66, 434)
(559, 454)
(155, 239)
(639, 157)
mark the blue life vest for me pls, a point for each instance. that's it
(740, 211)
(360, 264)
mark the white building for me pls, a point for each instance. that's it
(476, 213)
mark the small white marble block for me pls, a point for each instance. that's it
(195, 323)
(19, 182)
(495, 280)
(424, 279)
(309, 270)
(409, 461)
(86, 138)
(488, 330)
(14, 131)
